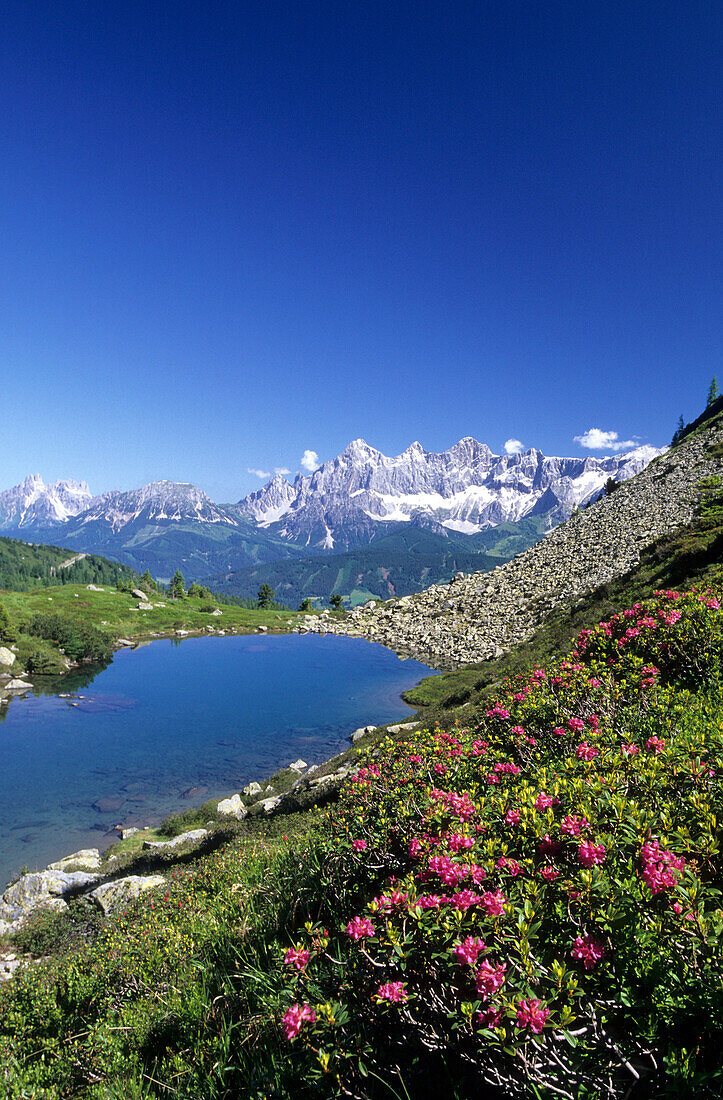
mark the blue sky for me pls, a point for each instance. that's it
(233, 232)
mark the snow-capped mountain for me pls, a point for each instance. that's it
(34, 504)
(465, 489)
(348, 503)
(155, 503)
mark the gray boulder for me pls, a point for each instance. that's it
(252, 789)
(87, 859)
(232, 807)
(195, 836)
(7, 657)
(139, 594)
(111, 896)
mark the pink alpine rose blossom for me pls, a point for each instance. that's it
(392, 991)
(532, 1014)
(588, 950)
(359, 845)
(359, 927)
(513, 817)
(294, 1017)
(493, 903)
(468, 950)
(591, 854)
(297, 959)
(489, 978)
(657, 744)
(586, 752)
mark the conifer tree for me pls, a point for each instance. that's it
(265, 595)
(713, 392)
(178, 585)
(7, 632)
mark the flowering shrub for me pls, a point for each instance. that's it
(537, 899)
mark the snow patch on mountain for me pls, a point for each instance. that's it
(465, 489)
(35, 504)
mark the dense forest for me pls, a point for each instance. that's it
(25, 565)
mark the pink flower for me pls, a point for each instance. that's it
(655, 743)
(661, 869)
(513, 817)
(588, 950)
(713, 604)
(430, 901)
(494, 903)
(559, 731)
(491, 1017)
(464, 899)
(518, 731)
(457, 842)
(440, 769)
(392, 991)
(468, 950)
(414, 847)
(359, 927)
(498, 712)
(510, 865)
(532, 1014)
(575, 724)
(359, 845)
(294, 1017)
(591, 854)
(586, 752)
(489, 978)
(549, 874)
(297, 959)
(572, 825)
(629, 750)
(543, 801)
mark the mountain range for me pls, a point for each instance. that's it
(348, 503)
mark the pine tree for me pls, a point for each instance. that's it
(178, 586)
(265, 595)
(147, 583)
(713, 392)
(678, 433)
(7, 631)
(336, 601)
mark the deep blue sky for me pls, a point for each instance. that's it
(234, 231)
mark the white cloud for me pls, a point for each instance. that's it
(281, 470)
(514, 447)
(263, 474)
(310, 461)
(595, 439)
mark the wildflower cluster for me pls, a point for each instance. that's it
(536, 868)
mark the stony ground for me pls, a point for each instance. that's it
(481, 615)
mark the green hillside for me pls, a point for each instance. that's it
(24, 566)
(399, 562)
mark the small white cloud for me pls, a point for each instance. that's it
(514, 447)
(310, 461)
(281, 470)
(595, 439)
(263, 474)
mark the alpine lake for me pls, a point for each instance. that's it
(169, 724)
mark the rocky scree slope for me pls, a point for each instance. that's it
(482, 615)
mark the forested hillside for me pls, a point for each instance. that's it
(25, 565)
(408, 559)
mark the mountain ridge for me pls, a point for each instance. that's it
(342, 505)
